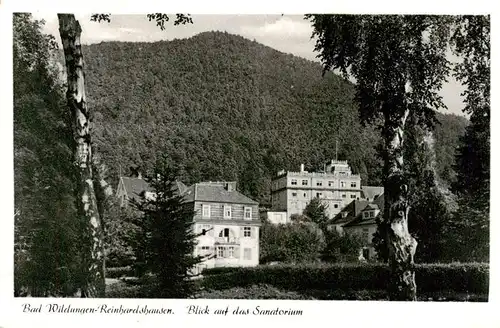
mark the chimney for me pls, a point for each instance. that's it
(301, 168)
(139, 175)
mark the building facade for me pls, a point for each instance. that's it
(360, 217)
(336, 187)
(226, 220)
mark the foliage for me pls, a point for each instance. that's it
(470, 224)
(292, 243)
(343, 247)
(119, 272)
(119, 237)
(165, 240)
(47, 232)
(469, 235)
(315, 212)
(457, 277)
(224, 108)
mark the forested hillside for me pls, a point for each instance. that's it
(224, 107)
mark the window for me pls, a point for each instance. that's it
(294, 194)
(224, 232)
(318, 195)
(304, 182)
(366, 253)
(366, 215)
(335, 205)
(247, 253)
(344, 196)
(248, 213)
(353, 184)
(372, 214)
(330, 183)
(342, 184)
(204, 250)
(305, 195)
(206, 211)
(227, 211)
(247, 232)
(220, 252)
(294, 182)
(319, 183)
(231, 251)
(353, 196)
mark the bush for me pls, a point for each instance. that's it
(292, 243)
(459, 278)
(119, 272)
(219, 270)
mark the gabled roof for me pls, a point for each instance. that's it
(371, 206)
(371, 192)
(359, 220)
(134, 187)
(352, 209)
(207, 192)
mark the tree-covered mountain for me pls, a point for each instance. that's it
(224, 107)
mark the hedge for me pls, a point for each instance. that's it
(119, 272)
(459, 277)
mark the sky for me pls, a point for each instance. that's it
(286, 33)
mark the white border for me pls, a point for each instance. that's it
(332, 313)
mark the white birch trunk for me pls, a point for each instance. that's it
(401, 244)
(92, 284)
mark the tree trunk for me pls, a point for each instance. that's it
(401, 245)
(92, 284)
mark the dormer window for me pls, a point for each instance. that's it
(369, 214)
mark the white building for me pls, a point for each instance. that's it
(227, 220)
(336, 187)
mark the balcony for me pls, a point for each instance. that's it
(227, 240)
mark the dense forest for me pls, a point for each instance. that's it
(224, 107)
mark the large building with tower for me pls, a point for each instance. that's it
(336, 187)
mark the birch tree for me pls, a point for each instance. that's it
(89, 210)
(399, 63)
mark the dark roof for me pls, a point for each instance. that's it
(352, 209)
(371, 191)
(135, 186)
(371, 206)
(378, 203)
(207, 192)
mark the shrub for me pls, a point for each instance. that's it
(297, 242)
(460, 278)
(119, 272)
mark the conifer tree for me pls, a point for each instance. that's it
(167, 238)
